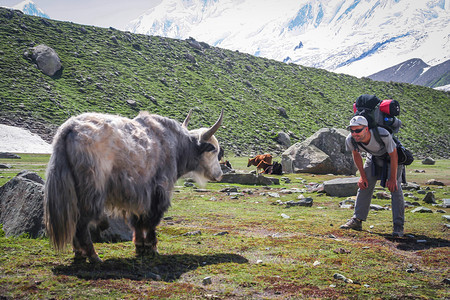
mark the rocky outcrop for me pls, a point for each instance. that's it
(322, 153)
(47, 59)
(22, 212)
(21, 205)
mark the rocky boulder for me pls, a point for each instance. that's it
(47, 59)
(341, 187)
(322, 153)
(283, 139)
(21, 209)
(428, 161)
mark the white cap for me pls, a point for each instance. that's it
(358, 121)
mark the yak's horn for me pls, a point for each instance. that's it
(209, 133)
(188, 118)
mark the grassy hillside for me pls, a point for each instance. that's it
(103, 68)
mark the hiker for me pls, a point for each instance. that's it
(381, 164)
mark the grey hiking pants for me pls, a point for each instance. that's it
(364, 197)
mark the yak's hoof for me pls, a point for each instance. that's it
(146, 251)
(81, 258)
(95, 259)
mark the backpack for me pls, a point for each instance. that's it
(381, 113)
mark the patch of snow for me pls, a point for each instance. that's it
(445, 88)
(18, 140)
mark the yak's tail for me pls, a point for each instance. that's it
(60, 196)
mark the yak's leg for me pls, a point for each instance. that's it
(144, 236)
(160, 204)
(82, 243)
(138, 234)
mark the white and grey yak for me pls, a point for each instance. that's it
(103, 162)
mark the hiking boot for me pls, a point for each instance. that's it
(398, 232)
(353, 223)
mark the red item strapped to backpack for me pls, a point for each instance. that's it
(390, 107)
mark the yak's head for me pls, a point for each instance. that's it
(208, 149)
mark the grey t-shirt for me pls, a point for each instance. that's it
(373, 147)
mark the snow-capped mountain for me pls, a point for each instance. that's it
(28, 7)
(417, 72)
(357, 37)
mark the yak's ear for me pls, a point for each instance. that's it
(205, 147)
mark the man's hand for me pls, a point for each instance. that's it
(392, 184)
(363, 183)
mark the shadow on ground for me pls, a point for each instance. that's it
(162, 267)
(417, 242)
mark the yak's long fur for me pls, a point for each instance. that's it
(126, 166)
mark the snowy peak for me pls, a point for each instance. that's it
(415, 71)
(357, 37)
(28, 7)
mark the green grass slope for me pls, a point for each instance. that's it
(103, 68)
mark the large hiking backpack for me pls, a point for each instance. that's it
(379, 113)
(382, 113)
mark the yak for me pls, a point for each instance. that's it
(128, 167)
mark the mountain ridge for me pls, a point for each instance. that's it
(416, 71)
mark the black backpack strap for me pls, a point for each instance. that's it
(378, 138)
(355, 144)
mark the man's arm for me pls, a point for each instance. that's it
(362, 183)
(392, 182)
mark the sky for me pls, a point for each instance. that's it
(101, 13)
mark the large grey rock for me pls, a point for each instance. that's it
(428, 161)
(341, 187)
(47, 59)
(322, 153)
(283, 138)
(111, 229)
(249, 179)
(21, 209)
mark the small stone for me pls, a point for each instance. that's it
(316, 263)
(428, 161)
(421, 209)
(221, 233)
(383, 195)
(429, 198)
(446, 203)
(339, 276)
(285, 216)
(197, 232)
(435, 182)
(207, 280)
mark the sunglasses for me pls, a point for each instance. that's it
(357, 130)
